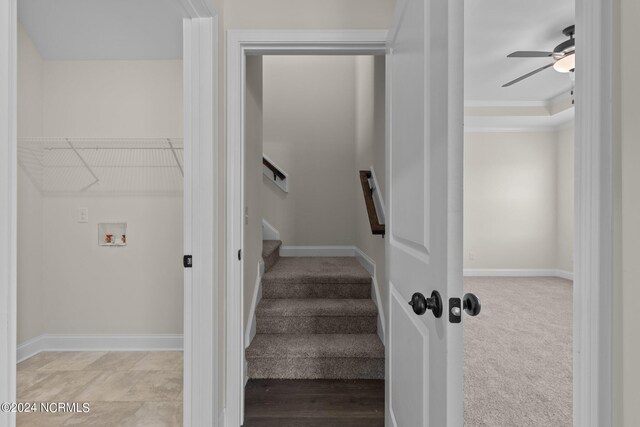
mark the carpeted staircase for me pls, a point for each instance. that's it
(316, 319)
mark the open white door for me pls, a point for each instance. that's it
(424, 245)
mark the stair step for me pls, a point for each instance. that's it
(270, 253)
(316, 316)
(312, 356)
(317, 277)
(318, 270)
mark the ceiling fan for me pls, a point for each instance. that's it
(564, 59)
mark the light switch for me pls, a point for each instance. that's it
(83, 214)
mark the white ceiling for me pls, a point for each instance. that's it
(494, 29)
(104, 29)
(152, 29)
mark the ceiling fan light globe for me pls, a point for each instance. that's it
(565, 64)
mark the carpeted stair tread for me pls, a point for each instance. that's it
(270, 246)
(316, 346)
(317, 270)
(311, 307)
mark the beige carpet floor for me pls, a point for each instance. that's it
(518, 353)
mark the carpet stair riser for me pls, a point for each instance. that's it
(317, 368)
(317, 325)
(271, 253)
(316, 290)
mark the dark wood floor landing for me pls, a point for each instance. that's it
(314, 403)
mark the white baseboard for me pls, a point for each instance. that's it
(295, 251)
(564, 274)
(370, 266)
(506, 272)
(269, 232)
(98, 342)
(250, 331)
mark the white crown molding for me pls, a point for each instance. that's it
(509, 104)
(550, 107)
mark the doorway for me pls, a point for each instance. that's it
(519, 216)
(197, 20)
(100, 215)
(280, 190)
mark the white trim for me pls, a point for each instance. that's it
(202, 378)
(8, 206)
(269, 232)
(541, 129)
(564, 274)
(297, 251)
(250, 331)
(98, 342)
(518, 272)
(506, 104)
(370, 265)
(595, 186)
(378, 197)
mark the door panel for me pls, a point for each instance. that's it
(409, 360)
(425, 352)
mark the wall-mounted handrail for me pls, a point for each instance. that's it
(276, 172)
(374, 221)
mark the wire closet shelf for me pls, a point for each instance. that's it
(58, 166)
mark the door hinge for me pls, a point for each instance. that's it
(187, 261)
(239, 254)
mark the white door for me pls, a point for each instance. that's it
(424, 244)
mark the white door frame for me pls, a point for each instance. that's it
(594, 188)
(261, 42)
(201, 346)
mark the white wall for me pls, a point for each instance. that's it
(67, 283)
(518, 200)
(30, 254)
(309, 130)
(565, 198)
(628, 199)
(113, 98)
(370, 151)
(291, 14)
(91, 289)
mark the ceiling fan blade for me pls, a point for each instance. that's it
(529, 54)
(527, 75)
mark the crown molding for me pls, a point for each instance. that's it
(550, 107)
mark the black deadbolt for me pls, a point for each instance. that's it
(420, 304)
(471, 304)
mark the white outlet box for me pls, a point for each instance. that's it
(83, 214)
(472, 256)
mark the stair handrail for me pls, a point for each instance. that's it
(374, 221)
(277, 173)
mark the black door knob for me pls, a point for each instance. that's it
(420, 304)
(471, 304)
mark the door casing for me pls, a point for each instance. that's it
(241, 43)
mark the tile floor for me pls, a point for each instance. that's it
(122, 388)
